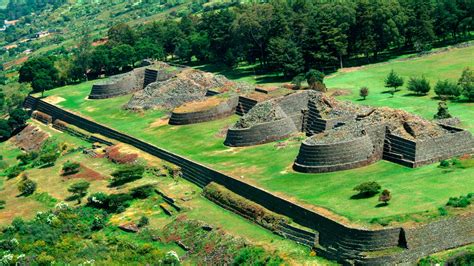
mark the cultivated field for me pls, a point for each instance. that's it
(417, 193)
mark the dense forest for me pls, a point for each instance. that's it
(289, 37)
(18, 8)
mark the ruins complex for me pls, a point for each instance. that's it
(340, 135)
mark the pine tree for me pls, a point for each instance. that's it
(393, 81)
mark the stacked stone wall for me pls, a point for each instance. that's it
(455, 143)
(65, 127)
(42, 117)
(122, 84)
(245, 104)
(223, 109)
(293, 104)
(333, 157)
(260, 133)
(417, 153)
(317, 124)
(343, 155)
(337, 241)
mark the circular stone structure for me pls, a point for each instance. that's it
(118, 85)
(208, 109)
(317, 156)
(260, 133)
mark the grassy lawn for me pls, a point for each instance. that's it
(445, 65)
(269, 166)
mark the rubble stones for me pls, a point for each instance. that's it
(262, 113)
(189, 85)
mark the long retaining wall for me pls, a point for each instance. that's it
(336, 240)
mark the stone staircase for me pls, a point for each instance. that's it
(245, 104)
(150, 76)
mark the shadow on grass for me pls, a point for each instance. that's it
(260, 76)
(382, 204)
(411, 94)
(362, 196)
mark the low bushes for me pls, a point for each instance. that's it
(367, 189)
(126, 174)
(216, 247)
(70, 168)
(255, 212)
(461, 201)
(26, 186)
(419, 85)
(142, 192)
(114, 203)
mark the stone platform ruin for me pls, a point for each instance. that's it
(342, 135)
(189, 95)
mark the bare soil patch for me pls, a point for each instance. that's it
(87, 174)
(199, 105)
(160, 122)
(31, 138)
(54, 99)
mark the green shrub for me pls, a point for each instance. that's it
(126, 174)
(114, 203)
(364, 92)
(429, 261)
(142, 192)
(5, 129)
(256, 256)
(17, 118)
(98, 200)
(27, 158)
(442, 211)
(462, 259)
(367, 189)
(393, 81)
(443, 111)
(14, 171)
(466, 81)
(447, 89)
(48, 159)
(2, 204)
(461, 201)
(444, 164)
(315, 80)
(419, 85)
(26, 186)
(70, 168)
(98, 223)
(144, 221)
(78, 190)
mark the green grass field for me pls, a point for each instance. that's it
(415, 191)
